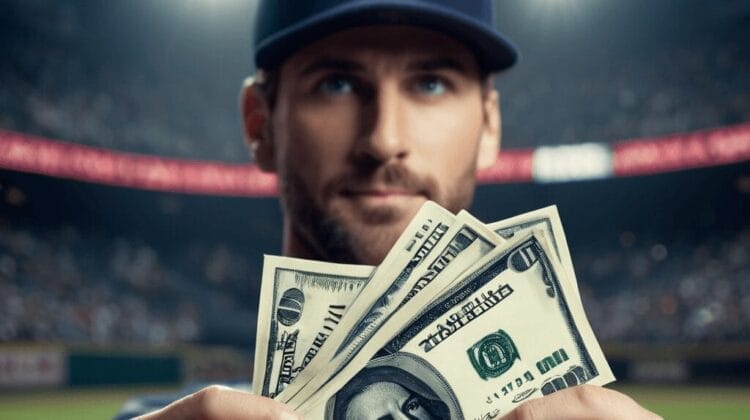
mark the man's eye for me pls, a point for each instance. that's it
(431, 86)
(412, 405)
(336, 85)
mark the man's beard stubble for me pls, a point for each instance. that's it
(325, 235)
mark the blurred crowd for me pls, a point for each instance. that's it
(678, 291)
(56, 84)
(686, 88)
(58, 81)
(61, 286)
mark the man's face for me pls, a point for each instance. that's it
(386, 401)
(368, 124)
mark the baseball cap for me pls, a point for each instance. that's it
(284, 26)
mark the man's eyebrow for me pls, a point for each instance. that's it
(331, 64)
(438, 63)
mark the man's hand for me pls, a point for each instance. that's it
(218, 402)
(581, 402)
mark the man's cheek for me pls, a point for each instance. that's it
(305, 171)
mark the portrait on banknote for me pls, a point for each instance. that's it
(397, 385)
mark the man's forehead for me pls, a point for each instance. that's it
(403, 46)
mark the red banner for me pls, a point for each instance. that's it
(22, 367)
(84, 163)
(512, 165)
(25, 153)
(719, 146)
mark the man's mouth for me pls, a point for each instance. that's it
(388, 187)
(382, 197)
(378, 192)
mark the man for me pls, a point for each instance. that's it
(364, 110)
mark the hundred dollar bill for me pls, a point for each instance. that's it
(467, 241)
(301, 303)
(381, 294)
(547, 219)
(511, 328)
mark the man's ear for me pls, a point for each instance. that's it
(489, 142)
(255, 119)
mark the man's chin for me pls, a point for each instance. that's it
(373, 242)
(359, 231)
(373, 232)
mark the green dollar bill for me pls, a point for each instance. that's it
(301, 304)
(511, 328)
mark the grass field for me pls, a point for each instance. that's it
(672, 402)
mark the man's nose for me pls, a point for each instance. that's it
(383, 136)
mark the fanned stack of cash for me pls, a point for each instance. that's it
(461, 320)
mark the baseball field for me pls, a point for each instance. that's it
(672, 402)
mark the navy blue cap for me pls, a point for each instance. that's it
(284, 26)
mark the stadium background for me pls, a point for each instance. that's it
(109, 291)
